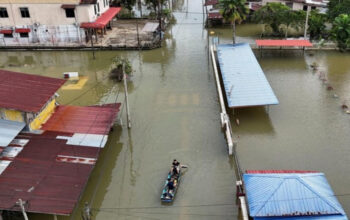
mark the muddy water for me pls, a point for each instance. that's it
(174, 112)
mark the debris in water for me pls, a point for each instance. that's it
(329, 88)
(344, 106)
(335, 96)
(237, 121)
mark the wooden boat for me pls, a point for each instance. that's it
(169, 195)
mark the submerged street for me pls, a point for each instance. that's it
(175, 114)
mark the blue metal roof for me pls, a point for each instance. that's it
(9, 130)
(244, 81)
(272, 195)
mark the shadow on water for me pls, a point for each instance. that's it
(253, 120)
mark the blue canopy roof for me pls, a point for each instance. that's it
(244, 81)
(9, 130)
(293, 195)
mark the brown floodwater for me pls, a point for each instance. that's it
(175, 114)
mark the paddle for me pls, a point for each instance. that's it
(184, 166)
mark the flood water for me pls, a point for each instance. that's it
(175, 114)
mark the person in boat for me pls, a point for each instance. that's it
(171, 184)
(167, 195)
(176, 163)
(175, 171)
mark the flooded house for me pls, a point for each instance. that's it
(52, 22)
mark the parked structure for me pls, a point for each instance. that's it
(301, 4)
(49, 22)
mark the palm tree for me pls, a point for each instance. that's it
(233, 11)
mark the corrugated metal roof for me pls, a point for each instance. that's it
(48, 174)
(280, 171)
(244, 81)
(25, 92)
(150, 27)
(103, 20)
(288, 194)
(9, 130)
(284, 43)
(86, 120)
(324, 217)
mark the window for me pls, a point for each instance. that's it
(104, 3)
(24, 12)
(95, 9)
(23, 34)
(305, 8)
(98, 7)
(3, 13)
(313, 7)
(8, 36)
(70, 13)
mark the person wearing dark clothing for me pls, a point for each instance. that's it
(170, 184)
(176, 163)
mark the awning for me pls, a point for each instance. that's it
(283, 43)
(214, 15)
(68, 6)
(22, 30)
(6, 31)
(211, 2)
(103, 20)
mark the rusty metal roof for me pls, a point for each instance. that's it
(86, 120)
(25, 92)
(48, 174)
(283, 43)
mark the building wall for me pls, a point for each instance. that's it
(12, 115)
(44, 115)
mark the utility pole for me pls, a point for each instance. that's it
(137, 31)
(92, 44)
(20, 203)
(306, 21)
(160, 22)
(126, 98)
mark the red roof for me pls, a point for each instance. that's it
(214, 15)
(211, 2)
(25, 92)
(22, 30)
(284, 43)
(40, 177)
(87, 120)
(278, 171)
(6, 31)
(103, 20)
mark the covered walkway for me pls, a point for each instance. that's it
(244, 81)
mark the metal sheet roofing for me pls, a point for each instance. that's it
(244, 81)
(48, 174)
(150, 27)
(290, 194)
(103, 20)
(86, 120)
(25, 92)
(284, 43)
(9, 130)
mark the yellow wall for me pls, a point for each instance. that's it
(12, 115)
(43, 116)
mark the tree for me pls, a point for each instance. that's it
(117, 68)
(341, 31)
(124, 3)
(272, 15)
(338, 7)
(233, 11)
(317, 27)
(294, 19)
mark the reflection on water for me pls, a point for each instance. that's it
(175, 114)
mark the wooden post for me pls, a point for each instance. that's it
(126, 98)
(20, 203)
(54, 217)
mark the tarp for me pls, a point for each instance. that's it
(9, 130)
(244, 81)
(103, 20)
(283, 43)
(150, 27)
(290, 194)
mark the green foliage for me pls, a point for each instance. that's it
(294, 19)
(154, 4)
(233, 10)
(341, 31)
(124, 3)
(272, 15)
(118, 62)
(338, 7)
(125, 13)
(317, 27)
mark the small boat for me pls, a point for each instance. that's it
(169, 195)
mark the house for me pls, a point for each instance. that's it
(48, 164)
(296, 5)
(50, 22)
